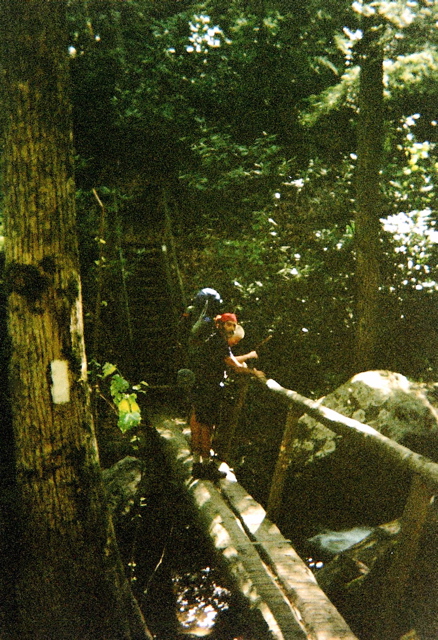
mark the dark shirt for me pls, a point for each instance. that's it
(208, 365)
(209, 362)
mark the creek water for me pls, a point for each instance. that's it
(181, 591)
(174, 576)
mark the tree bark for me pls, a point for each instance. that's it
(71, 582)
(368, 213)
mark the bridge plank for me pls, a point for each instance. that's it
(244, 563)
(235, 551)
(265, 568)
(317, 614)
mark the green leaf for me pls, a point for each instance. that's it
(128, 420)
(108, 369)
(118, 386)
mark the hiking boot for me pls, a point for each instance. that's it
(197, 470)
(212, 472)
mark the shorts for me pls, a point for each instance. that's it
(207, 406)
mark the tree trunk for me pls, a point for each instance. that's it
(367, 222)
(71, 582)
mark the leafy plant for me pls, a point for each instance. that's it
(123, 396)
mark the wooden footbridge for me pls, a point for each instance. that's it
(262, 564)
(264, 567)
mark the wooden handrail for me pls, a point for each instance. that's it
(424, 486)
(401, 456)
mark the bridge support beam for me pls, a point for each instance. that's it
(415, 514)
(262, 565)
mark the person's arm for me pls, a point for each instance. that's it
(240, 368)
(247, 356)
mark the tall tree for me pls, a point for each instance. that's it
(368, 201)
(71, 582)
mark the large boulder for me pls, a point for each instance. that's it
(386, 401)
(338, 481)
(121, 483)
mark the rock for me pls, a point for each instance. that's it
(354, 579)
(341, 483)
(385, 400)
(121, 483)
(362, 554)
(334, 542)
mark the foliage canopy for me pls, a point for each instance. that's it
(247, 115)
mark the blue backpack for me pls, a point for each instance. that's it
(207, 305)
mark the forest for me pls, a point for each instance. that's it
(314, 218)
(283, 153)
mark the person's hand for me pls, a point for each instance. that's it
(259, 375)
(253, 354)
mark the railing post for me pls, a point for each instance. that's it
(282, 465)
(393, 597)
(224, 438)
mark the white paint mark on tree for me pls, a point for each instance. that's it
(60, 381)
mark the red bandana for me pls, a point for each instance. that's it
(227, 317)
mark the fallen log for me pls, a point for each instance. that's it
(262, 565)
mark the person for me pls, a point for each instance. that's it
(232, 399)
(196, 324)
(212, 359)
(238, 335)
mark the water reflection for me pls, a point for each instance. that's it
(199, 600)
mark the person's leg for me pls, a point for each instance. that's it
(195, 439)
(201, 440)
(196, 445)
